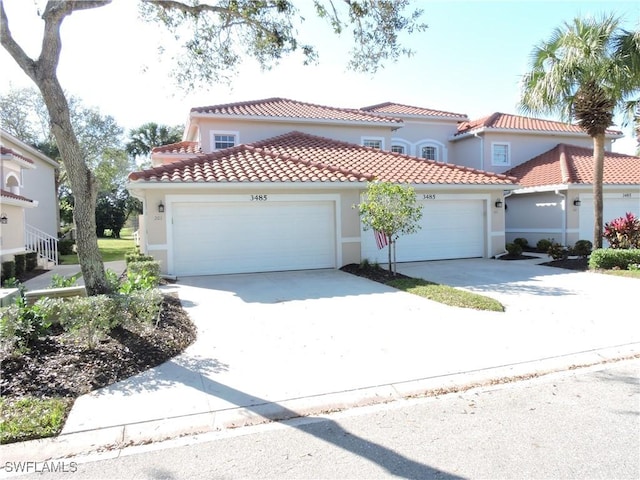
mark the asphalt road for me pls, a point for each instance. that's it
(578, 424)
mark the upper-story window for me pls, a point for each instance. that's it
(429, 152)
(397, 148)
(500, 154)
(373, 142)
(224, 139)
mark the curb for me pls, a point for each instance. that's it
(114, 439)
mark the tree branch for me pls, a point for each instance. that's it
(6, 39)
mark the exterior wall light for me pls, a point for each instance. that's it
(3, 219)
(160, 207)
(498, 203)
(577, 202)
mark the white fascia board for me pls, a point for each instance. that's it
(320, 121)
(136, 187)
(139, 186)
(8, 157)
(541, 189)
(19, 203)
(552, 133)
(30, 149)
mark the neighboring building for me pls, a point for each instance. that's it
(271, 184)
(29, 201)
(555, 200)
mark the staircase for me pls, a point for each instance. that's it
(46, 245)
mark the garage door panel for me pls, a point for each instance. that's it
(238, 238)
(450, 229)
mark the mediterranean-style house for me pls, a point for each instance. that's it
(271, 184)
(28, 200)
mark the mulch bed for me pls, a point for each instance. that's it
(375, 273)
(56, 366)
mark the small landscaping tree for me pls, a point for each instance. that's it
(391, 210)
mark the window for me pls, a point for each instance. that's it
(221, 141)
(500, 154)
(397, 148)
(372, 143)
(429, 152)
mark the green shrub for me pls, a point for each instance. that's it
(20, 324)
(614, 258)
(523, 242)
(21, 263)
(514, 248)
(8, 269)
(543, 245)
(582, 248)
(65, 247)
(89, 318)
(136, 256)
(144, 306)
(59, 281)
(141, 275)
(113, 280)
(31, 261)
(557, 251)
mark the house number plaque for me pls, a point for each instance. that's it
(258, 198)
(428, 196)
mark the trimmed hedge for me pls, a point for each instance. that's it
(8, 270)
(21, 263)
(610, 258)
(31, 261)
(65, 247)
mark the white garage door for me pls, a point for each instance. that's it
(450, 229)
(613, 207)
(216, 238)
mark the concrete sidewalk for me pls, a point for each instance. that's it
(278, 345)
(44, 280)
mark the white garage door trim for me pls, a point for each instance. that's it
(330, 204)
(478, 221)
(615, 205)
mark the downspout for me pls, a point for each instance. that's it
(564, 217)
(481, 150)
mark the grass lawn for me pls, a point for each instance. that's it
(445, 294)
(111, 249)
(622, 273)
(29, 418)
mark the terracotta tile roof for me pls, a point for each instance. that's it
(399, 109)
(180, 148)
(8, 151)
(570, 164)
(301, 157)
(285, 108)
(13, 196)
(505, 121)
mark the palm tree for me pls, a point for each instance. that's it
(144, 138)
(587, 71)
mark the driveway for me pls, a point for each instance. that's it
(274, 343)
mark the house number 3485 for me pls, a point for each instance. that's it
(258, 198)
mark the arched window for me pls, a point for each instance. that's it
(429, 152)
(13, 183)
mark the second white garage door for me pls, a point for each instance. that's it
(216, 238)
(450, 229)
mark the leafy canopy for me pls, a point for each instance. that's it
(390, 208)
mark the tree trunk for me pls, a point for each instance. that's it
(82, 183)
(598, 173)
(389, 244)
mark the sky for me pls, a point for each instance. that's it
(470, 60)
